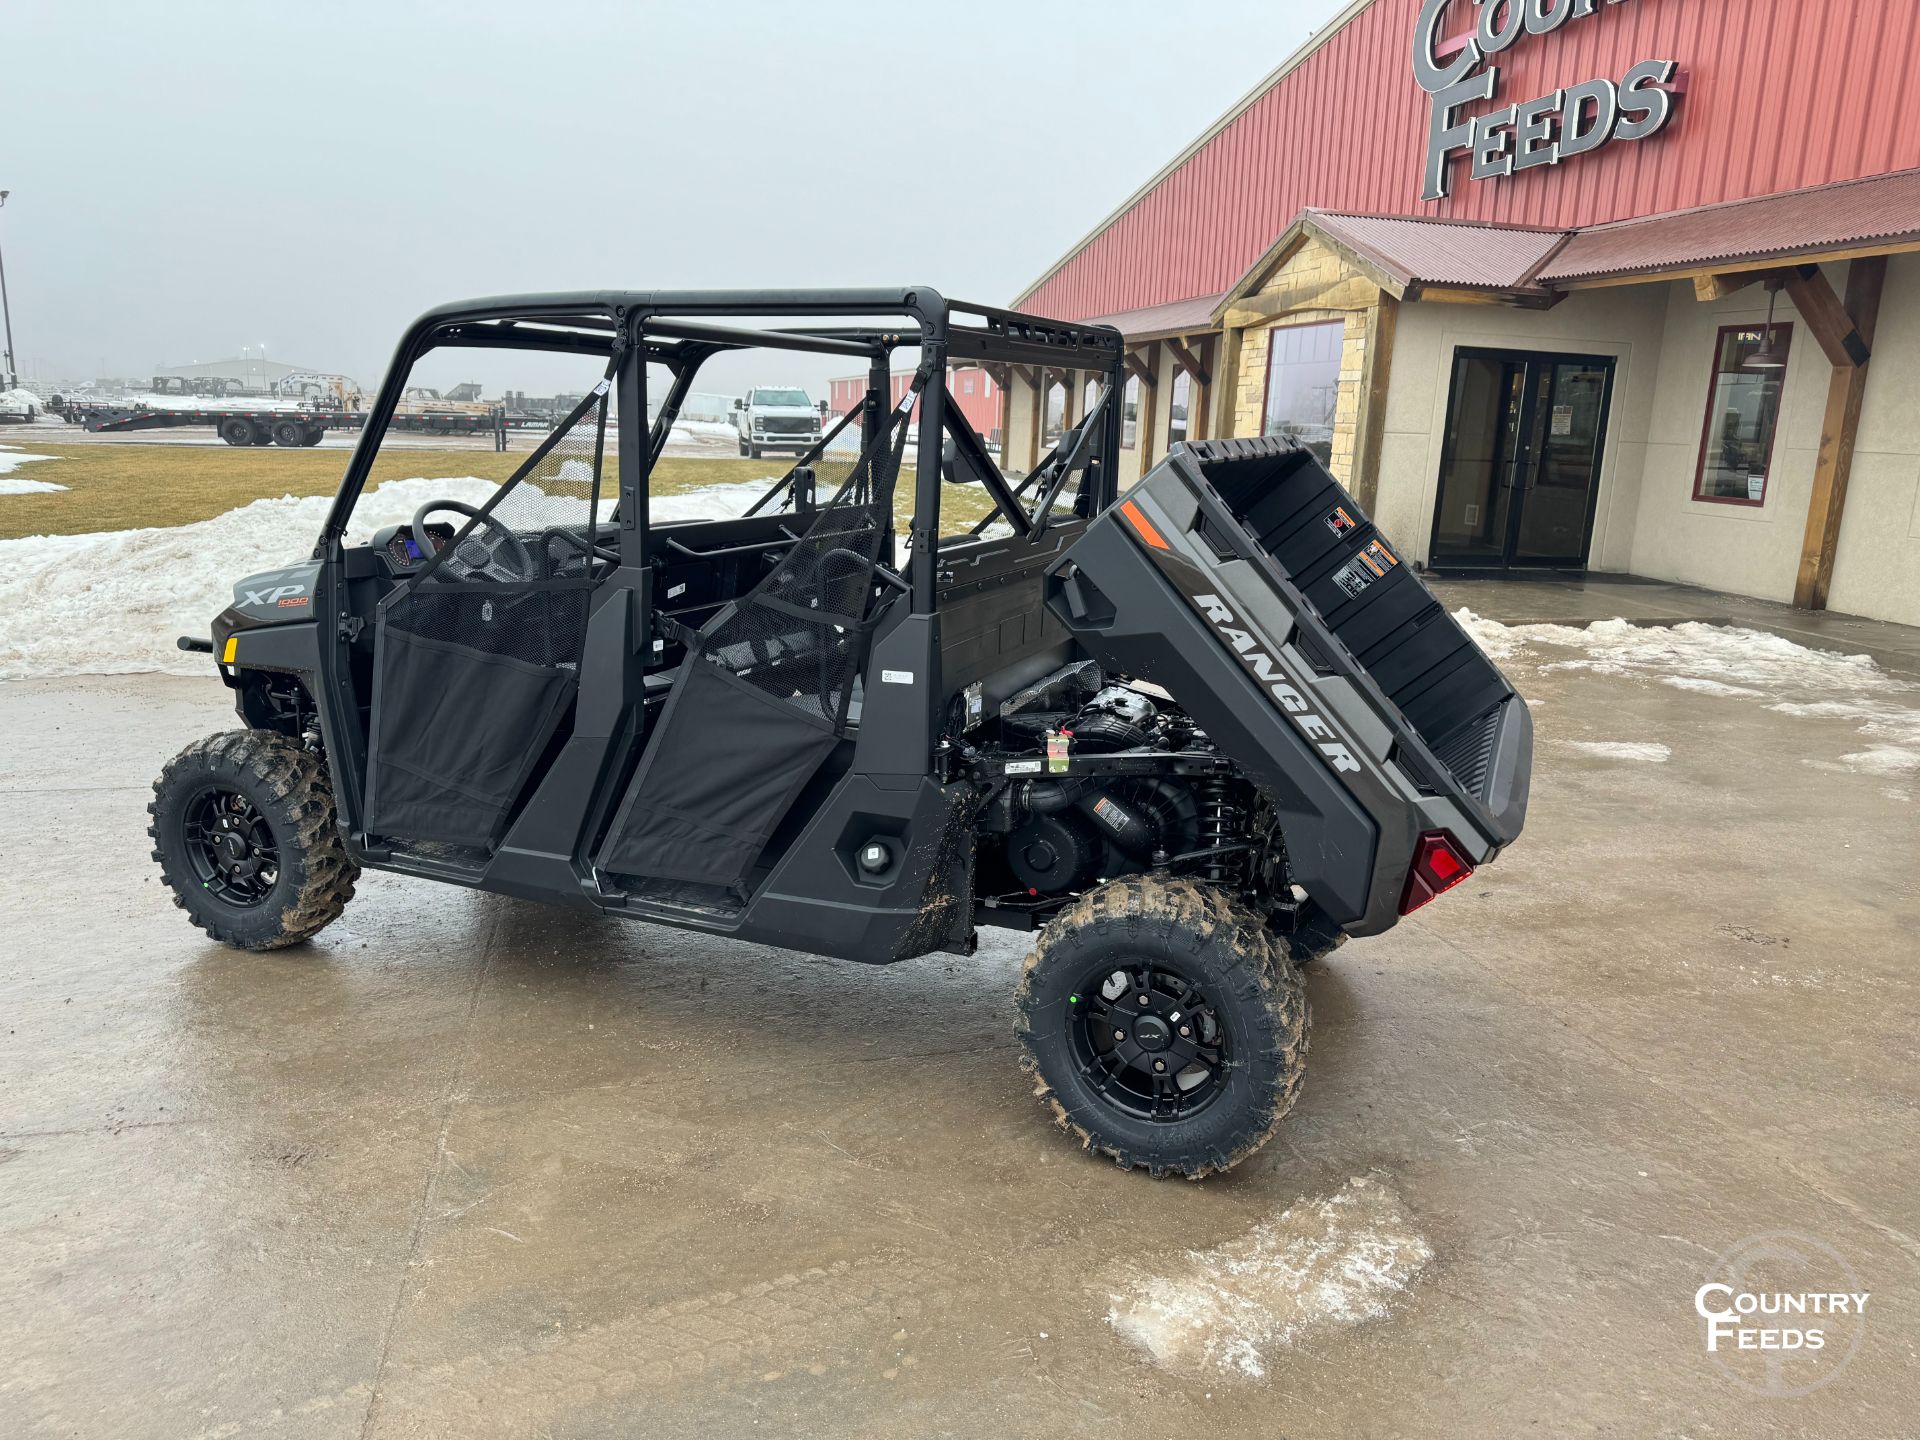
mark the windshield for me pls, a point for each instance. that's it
(781, 397)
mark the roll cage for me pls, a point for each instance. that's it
(682, 330)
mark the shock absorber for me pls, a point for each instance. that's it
(1221, 822)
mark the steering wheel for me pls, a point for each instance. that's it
(492, 551)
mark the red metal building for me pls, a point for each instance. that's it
(1552, 283)
(980, 399)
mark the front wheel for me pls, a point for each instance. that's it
(244, 833)
(1163, 1026)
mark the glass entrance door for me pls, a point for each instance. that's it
(1521, 467)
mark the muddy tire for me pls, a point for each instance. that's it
(244, 833)
(1164, 1026)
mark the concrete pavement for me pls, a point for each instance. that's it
(468, 1166)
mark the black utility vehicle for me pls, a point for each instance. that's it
(1193, 735)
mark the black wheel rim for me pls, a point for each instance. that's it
(1147, 1041)
(230, 847)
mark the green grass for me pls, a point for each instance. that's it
(125, 487)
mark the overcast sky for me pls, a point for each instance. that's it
(190, 178)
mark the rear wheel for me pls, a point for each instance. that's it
(243, 830)
(290, 433)
(313, 436)
(1164, 1026)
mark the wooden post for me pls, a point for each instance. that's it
(1371, 423)
(1839, 429)
(1148, 372)
(1037, 421)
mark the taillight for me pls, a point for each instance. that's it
(1438, 866)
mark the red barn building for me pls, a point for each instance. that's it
(980, 400)
(1626, 285)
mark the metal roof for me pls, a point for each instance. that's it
(1182, 317)
(1343, 126)
(1884, 209)
(1441, 252)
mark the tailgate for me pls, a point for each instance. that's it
(1296, 634)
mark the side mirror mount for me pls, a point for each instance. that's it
(739, 403)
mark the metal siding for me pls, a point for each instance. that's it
(1346, 130)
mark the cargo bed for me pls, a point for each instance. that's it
(1242, 577)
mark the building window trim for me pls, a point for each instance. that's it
(1783, 335)
(1334, 322)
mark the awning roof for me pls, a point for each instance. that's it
(1881, 210)
(1157, 322)
(1441, 252)
(1407, 255)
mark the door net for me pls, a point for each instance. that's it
(477, 656)
(765, 691)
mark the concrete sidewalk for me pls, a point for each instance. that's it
(1583, 599)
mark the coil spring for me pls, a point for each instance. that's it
(1221, 820)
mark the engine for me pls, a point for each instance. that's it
(1163, 801)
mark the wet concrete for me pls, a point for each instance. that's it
(467, 1166)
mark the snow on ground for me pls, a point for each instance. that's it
(1323, 1264)
(707, 429)
(11, 484)
(1735, 664)
(114, 602)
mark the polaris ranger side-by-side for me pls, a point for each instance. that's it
(1192, 736)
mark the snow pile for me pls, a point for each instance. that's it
(11, 484)
(114, 602)
(1736, 664)
(705, 429)
(1330, 1263)
(106, 604)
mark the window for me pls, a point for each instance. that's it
(1177, 411)
(1743, 414)
(1303, 384)
(966, 382)
(1130, 425)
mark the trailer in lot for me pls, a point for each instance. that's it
(237, 424)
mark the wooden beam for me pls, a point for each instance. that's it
(1188, 361)
(1141, 370)
(1200, 402)
(1839, 429)
(1036, 420)
(1149, 386)
(1027, 373)
(1348, 292)
(1709, 288)
(1827, 318)
(1372, 420)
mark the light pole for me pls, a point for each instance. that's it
(13, 377)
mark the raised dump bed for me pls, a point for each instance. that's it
(1374, 606)
(1242, 576)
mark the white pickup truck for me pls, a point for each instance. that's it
(775, 418)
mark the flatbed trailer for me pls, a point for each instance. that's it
(236, 424)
